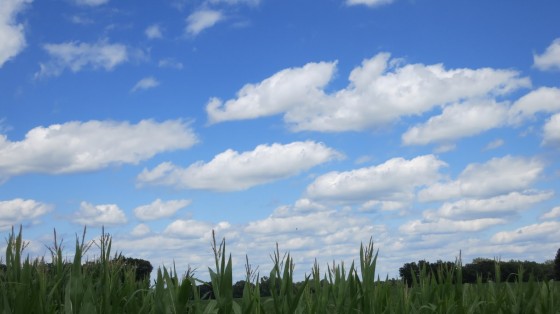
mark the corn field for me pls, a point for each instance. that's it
(105, 286)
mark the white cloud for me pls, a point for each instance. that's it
(552, 214)
(160, 209)
(99, 215)
(550, 59)
(544, 99)
(87, 146)
(18, 210)
(457, 121)
(394, 180)
(91, 3)
(498, 206)
(12, 34)
(81, 20)
(235, 2)
(449, 226)
(546, 231)
(76, 56)
(145, 83)
(551, 130)
(380, 91)
(201, 20)
(194, 229)
(383, 205)
(153, 32)
(276, 94)
(495, 144)
(140, 230)
(369, 3)
(234, 171)
(495, 177)
(170, 63)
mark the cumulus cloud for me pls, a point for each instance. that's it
(91, 3)
(495, 177)
(381, 90)
(544, 99)
(99, 215)
(369, 3)
(140, 230)
(552, 214)
(145, 83)
(276, 94)
(551, 130)
(394, 180)
(18, 210)
(234, 171)
(160, 209)
(546, 231)
(449, 226)
(497, 206)
(191, 228)
(12, 34)
(457, 121)
(550, 58)
(75, 56)
(201, 20)
(153, 32)
(87, 146)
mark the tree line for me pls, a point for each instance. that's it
(484, 269)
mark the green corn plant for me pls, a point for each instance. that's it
(285, 298)
(251, 300)
(222, 279)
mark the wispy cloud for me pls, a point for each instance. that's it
(153, 32)
(12, 34)
(201, 20)
(369, 3)
(145, 83)
(91, 3)
(494, 144)
(170, 63)
(76, 56)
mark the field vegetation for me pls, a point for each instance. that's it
(111, 285)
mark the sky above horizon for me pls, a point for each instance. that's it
(431, 126)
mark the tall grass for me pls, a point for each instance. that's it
(109, 286)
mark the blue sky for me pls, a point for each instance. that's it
(431, 126)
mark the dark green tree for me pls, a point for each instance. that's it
(557, 266)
